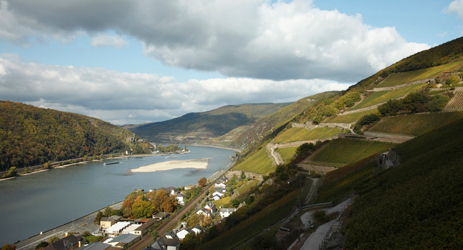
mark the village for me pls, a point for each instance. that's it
(119, 232)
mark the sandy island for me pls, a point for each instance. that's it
(167, 165)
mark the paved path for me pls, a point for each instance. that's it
(314, 240)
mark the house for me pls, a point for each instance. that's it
(220, 185)
(182, 233)
(220, 190)
(210, 206)
(117, 228)
(66, 243)
(223, 179)
(130, 229)
(107, 222)
(204, 212)
(160, 215)
(178, 196)
(143, 229)
(123, 240)
(169, 241)
(225, 212)
(217, 197)
(198, 229)
(96, 246)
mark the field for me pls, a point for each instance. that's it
(222, 202)
(246, 187)
(349, 150)
(410, 76)
(417, 124)
(303, 134)
(383, 96)
(259, 163)
(286, 153)
(350, 118)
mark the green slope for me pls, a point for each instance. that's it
(31, 136)
(417, 204)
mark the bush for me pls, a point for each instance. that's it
(319, 215)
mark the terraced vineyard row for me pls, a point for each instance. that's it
(456, 103)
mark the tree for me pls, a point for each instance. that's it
(319, 215)
(142, 208)
(97, 220)
(452, 80)
(9, 247)
(202, 182)
(52, 239)
(107, 211)
(41, 245)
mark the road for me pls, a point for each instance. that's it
(80, 225)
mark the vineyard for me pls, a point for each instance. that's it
(347, 151)
(303, 134)
(350, 118)
(415, 124)
(410, 76)
(456, 103)
(259, 163)
(287, 153)
(418, 204)
(384, 97)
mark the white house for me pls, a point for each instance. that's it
(225, 212)
(182, 234)
(220, 185)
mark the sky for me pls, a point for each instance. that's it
(139, 61)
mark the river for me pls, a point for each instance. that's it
(38, 202)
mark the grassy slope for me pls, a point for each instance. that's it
(349, 118)
(415, 124)
(349, 150)
(286, 153)
(259, 163)
(383, 96)
(410, 76)
(303, 134)
(418, 204)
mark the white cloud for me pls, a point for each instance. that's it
(243, 38)
(455, 7)
(123, 98)
(108, 40)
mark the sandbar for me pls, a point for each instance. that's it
(168, 165)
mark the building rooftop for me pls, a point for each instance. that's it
(124, 238)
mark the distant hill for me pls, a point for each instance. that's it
(200, 127)
(31, 136)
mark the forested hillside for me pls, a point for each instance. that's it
(31, 136)
(199, 127)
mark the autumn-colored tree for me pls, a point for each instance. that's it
(142, 208)
(107, 211)
(202, 182)
(9, 247)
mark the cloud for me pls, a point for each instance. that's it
(455, 7)
(106, 40)
(123, 98)
(242, 38)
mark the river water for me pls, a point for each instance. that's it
(38, 202)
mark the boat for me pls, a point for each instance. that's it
(111, 163)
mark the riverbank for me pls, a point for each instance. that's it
(168, 165)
